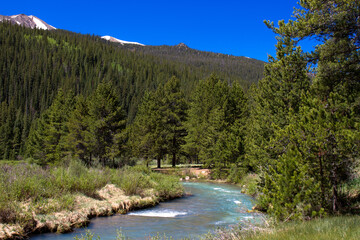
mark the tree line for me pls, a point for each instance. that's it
(95, 130)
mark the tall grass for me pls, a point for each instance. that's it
(330, 228)
(26, 188)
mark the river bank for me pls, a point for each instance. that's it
(59, 199)
(210, 206)
(248, 182)
(113, 200)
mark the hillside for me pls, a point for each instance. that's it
(242, 69)
(35, 63)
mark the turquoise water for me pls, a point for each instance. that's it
(210, 206)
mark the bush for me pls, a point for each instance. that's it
(236, 174)
(133, 180)
(166, 186)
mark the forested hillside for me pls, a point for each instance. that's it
(231, 68)
(35, 64)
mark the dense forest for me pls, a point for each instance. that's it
(65, 95)
(227, 67)
(36, 64)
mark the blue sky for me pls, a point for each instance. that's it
(231, 27)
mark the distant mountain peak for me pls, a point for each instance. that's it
(181, 45)
(122, 42)
(27, 21)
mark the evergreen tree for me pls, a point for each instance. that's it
(285, 79)
(216, 123)
(47, 136)
(173, 111)
(79, 141)
(322, 133)
(107, 119)
(145, 137)
(158, 128)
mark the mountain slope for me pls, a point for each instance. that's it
(241, 69)
(231, 68)
(27, 21)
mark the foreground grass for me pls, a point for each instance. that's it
(330, 228)
(344, 227)
(26, 189)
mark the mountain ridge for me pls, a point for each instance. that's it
(35, 22)
(27, 21)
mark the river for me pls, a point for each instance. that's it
(211, 205)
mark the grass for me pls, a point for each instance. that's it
(27, 188)
(344, 227)
(330, 228)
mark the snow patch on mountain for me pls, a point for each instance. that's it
(38, 23)
(122, 42)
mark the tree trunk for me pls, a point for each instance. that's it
(174, 159)
(335, 198)
(158, 163)
(322, 178)
(334, 187)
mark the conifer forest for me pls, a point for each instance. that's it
(293, 121)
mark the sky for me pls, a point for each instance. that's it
(232, 27)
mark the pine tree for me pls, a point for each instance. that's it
(322, 131)
(285, 80)
(79, 140)
(56, 128)
(216, 123)
(145, 137)
(107, 119)
(173, 111)
(158, 128)
(46, 142)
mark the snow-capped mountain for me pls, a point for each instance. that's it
(27, 21)
(122, 42)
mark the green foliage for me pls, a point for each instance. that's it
(249, 184)
(107, 122)
(236, 174)
(289, 192)
(138, 179)
(216, 124)
(35, 64)
(159, 126)
(132, 180)
(285, 80)
(47, 136)
(311, 139)
(79, 140)
(167, 187)
(91, 129)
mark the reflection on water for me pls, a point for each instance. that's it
(210, 206)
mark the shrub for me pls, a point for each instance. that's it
(132, 180)
(167, 186)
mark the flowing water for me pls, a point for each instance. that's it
(210, 206)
